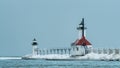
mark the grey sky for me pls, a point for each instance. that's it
(53, 23)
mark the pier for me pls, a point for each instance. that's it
(80, 47)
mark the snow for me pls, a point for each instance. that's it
(90, 56)
(50, 56)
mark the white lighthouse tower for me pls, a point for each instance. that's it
(35, 48)
(81, 46)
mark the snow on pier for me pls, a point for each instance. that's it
(64, 54)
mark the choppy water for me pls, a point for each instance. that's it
(18, 63)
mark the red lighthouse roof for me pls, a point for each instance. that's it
(82, 41)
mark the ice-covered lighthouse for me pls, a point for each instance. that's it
(81, 46)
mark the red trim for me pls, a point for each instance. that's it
(82, 41)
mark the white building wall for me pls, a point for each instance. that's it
(77, 50)
(34, 50)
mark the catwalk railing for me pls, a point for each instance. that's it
(54, 51)
(105, 51)
(68, 51)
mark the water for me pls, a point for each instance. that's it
(19, 63)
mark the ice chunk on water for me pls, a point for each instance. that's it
(6, 58)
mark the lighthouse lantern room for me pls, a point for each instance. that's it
(81, 46)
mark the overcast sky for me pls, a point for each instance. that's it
(53, 23)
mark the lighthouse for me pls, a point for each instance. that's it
(34, 47)
(81, 46)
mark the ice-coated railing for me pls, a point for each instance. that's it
(104, 51)
(68, 51)
(54, 51)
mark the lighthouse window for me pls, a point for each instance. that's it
(77, 48)
(73, 49)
